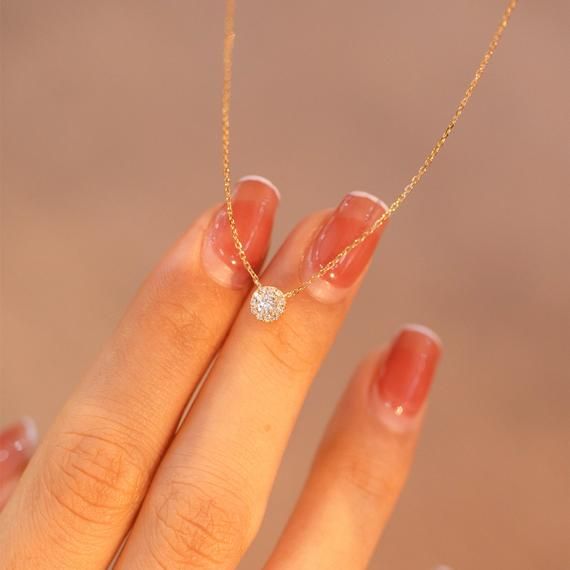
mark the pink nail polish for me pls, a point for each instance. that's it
(356, 212)
(254, 203)
(405, 376)
(17, 443)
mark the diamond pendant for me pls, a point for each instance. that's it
(267, 303)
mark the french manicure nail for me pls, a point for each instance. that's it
(254, 203)
(405, 376)
(355, 213)
(17, 443)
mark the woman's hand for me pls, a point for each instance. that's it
(115, 464)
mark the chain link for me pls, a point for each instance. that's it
(229, 40)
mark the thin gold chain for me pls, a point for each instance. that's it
(226, 97)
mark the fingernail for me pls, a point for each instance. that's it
(355, 213)
(254, 203)
(17, 443)
(405, 375)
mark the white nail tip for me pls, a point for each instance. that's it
(31, 430)
(370, 197)
(426, 331)
(265, 181)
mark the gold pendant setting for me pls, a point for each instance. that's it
(267, 303)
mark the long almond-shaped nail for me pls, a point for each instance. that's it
(17, 443)
(406, 373)
(356, 212)
(254, 203)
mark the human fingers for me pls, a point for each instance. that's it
(364, 459)
(209, 494)
(78, 497)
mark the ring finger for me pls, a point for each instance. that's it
(363, 460)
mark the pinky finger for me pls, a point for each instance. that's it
(363, 460)
(17, 443)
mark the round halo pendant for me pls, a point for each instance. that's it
(267, 303)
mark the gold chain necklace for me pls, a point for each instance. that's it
(268, 303)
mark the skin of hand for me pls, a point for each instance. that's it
(119, 462)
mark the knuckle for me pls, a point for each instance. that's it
(371, 477)
(200, 525)
(172, 308)
(95, 477)
(292, 350)
(181, 324)
(282, 356)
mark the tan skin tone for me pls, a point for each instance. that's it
(113, 462)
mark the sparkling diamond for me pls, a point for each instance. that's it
(267, 303)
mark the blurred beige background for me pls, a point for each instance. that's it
(111, 146)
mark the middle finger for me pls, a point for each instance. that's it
(209, 495)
